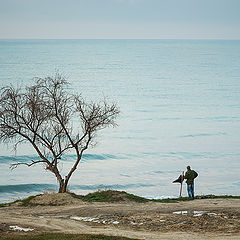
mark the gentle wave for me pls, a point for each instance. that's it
(8, 160)
(99, 156)
(198, 155)
(86, 157)
(114, 186)
(19, 188)
(69, 157)
(28, 188)
(203, 135)
(20, 159)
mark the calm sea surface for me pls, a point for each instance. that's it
(180, 105)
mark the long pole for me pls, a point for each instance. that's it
(181, 184)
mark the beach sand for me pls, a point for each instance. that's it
(197, 219)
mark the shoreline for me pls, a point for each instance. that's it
(162, 198)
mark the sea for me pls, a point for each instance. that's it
(179, 102)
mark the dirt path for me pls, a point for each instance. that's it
(198, 219)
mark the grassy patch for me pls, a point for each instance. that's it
(174, 200)
(61, 236)
(221, 197)
(25, 202)
(4, 205)
(110, 196)
(171, 200)
(118, 196)
(136, 198)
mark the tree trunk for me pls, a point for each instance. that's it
(63, 186)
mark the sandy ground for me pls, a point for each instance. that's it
(198, 219)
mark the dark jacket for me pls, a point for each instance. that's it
(190, 175)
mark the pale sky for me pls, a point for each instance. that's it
(163, 19)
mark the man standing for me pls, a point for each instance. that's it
(190, 175)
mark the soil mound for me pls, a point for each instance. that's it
(54, 199)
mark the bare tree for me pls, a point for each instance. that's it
(53, 121)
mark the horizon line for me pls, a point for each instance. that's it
(222, 39)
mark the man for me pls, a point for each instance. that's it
(190, 175)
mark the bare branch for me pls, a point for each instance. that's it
(15, 165)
